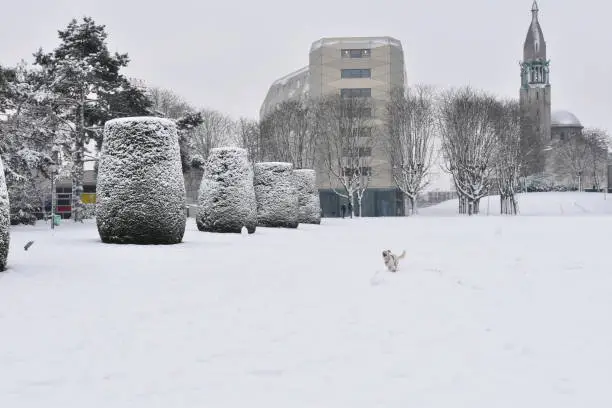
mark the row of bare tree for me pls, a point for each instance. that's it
(335, 135)
(479, 135)
(482, 146)
(350, 140)
(202, 130)
(582, 159)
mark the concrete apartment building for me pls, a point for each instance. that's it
(360, 67)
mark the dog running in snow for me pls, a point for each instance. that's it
(392, 260)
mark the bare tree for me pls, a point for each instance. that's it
(508, 160)
(468, 144)
(411, 127)
(215, 130)
(168, 104)
(597, 141)
(571, 159)
(347, 133)
(248, 137)
(287, 134)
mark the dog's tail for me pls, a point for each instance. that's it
(402, 255)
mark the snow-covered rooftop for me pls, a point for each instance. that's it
(291, 86)
(356, 42)
(293, 75)
(563, 118)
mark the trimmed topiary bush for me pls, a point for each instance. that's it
(309, 204)
(140, 189)
(5, 219)
(226, 200)
(276, 195)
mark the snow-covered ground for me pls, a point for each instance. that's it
(486, 312)
(561, 203)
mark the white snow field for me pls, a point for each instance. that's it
(561, 203)
(485, 312)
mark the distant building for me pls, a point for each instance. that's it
(539, 125)
(535, 98)
(361, 67)
(564, 125)
(290, 87)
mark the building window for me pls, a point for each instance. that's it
(355, 53)
(361, 152)
(365, 171)
(356, 92)
(356, 73)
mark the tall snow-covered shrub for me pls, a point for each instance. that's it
(226, 200)
(140, 191)
(4, 219)
(309, 205)
(276, 195)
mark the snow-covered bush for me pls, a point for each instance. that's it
(276, 195)
(226, 200)
(309, 211)
(5, 219)
(544, 182)
(140, 190)
(24, 215)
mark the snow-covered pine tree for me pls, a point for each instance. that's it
(90, 89)
(30, 137)
(141, 191)
(227, 197)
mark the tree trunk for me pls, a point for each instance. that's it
(513, 204)
(410, 205)
(77, 162)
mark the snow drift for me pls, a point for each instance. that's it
(5, 219)
(276, 195)
(309, 205)
(140, 191)
(226, 201)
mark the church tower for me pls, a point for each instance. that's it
(535, 96)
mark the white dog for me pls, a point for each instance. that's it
(392, 260)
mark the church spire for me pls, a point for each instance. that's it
(534, 68)
(534, 10)
(535, 46)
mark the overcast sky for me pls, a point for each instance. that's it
(225, 54)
